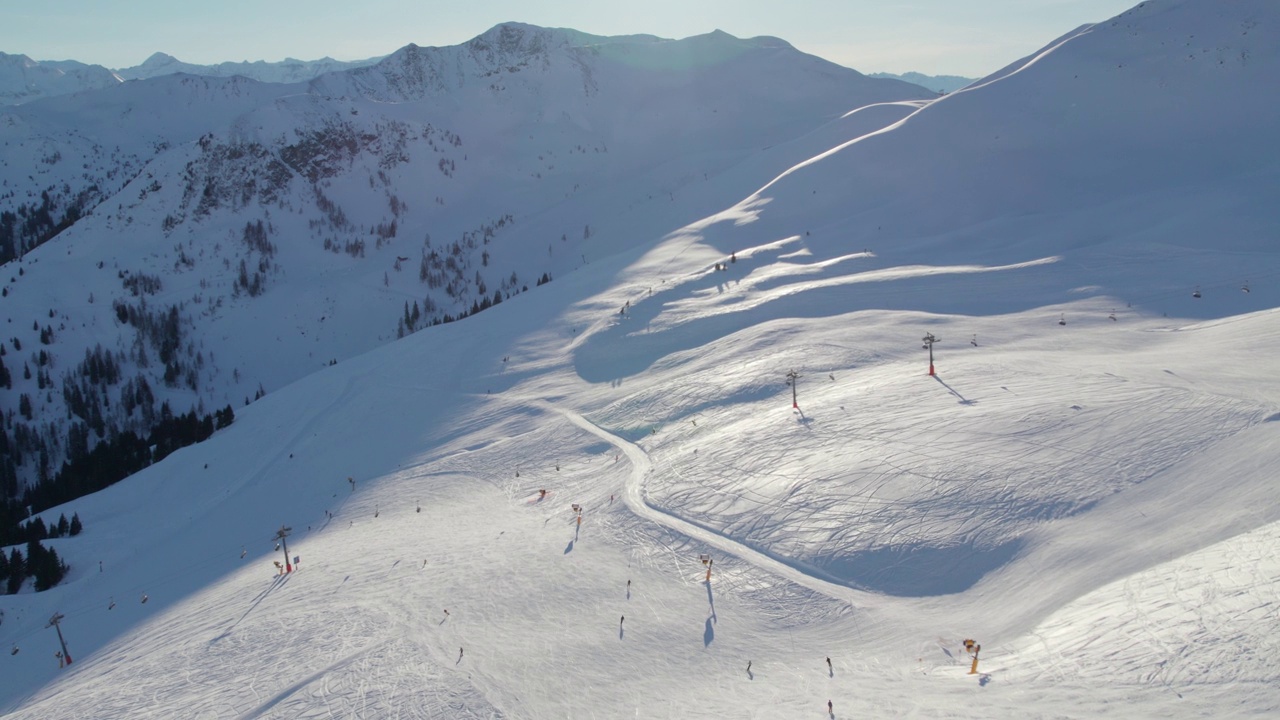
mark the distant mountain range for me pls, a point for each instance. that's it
(23, 79)
(937, 83)
(287, 70)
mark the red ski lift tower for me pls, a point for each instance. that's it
(281, 534)
(929, 340)
(792, 377)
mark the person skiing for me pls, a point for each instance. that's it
(748, 666)
(829, 712)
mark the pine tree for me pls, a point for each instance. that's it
(17, 571)
(75, 527)
(225, 417)
(49, 569)
(36, 530)
(64, 527)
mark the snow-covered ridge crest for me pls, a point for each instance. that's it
(508, 52)
(289, 70)
(23, 79)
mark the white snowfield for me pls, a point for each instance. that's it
(1086, 486)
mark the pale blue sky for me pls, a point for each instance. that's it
(957, 37)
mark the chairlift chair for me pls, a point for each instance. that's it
(1062, 319)
(1196, 294)
(1245, 288)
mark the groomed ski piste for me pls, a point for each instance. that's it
(1084, 486)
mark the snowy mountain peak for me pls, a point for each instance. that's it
(23, 79)
(157, 60)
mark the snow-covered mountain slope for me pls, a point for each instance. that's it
(23, 79)
(289, 70)
(1085, 487)
(374, 202)
(449, 445)
(1121, 150)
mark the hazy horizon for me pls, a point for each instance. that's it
(931, 37)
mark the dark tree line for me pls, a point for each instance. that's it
(123, 454)
(40, 562)
(35, 224)
(15, 533)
